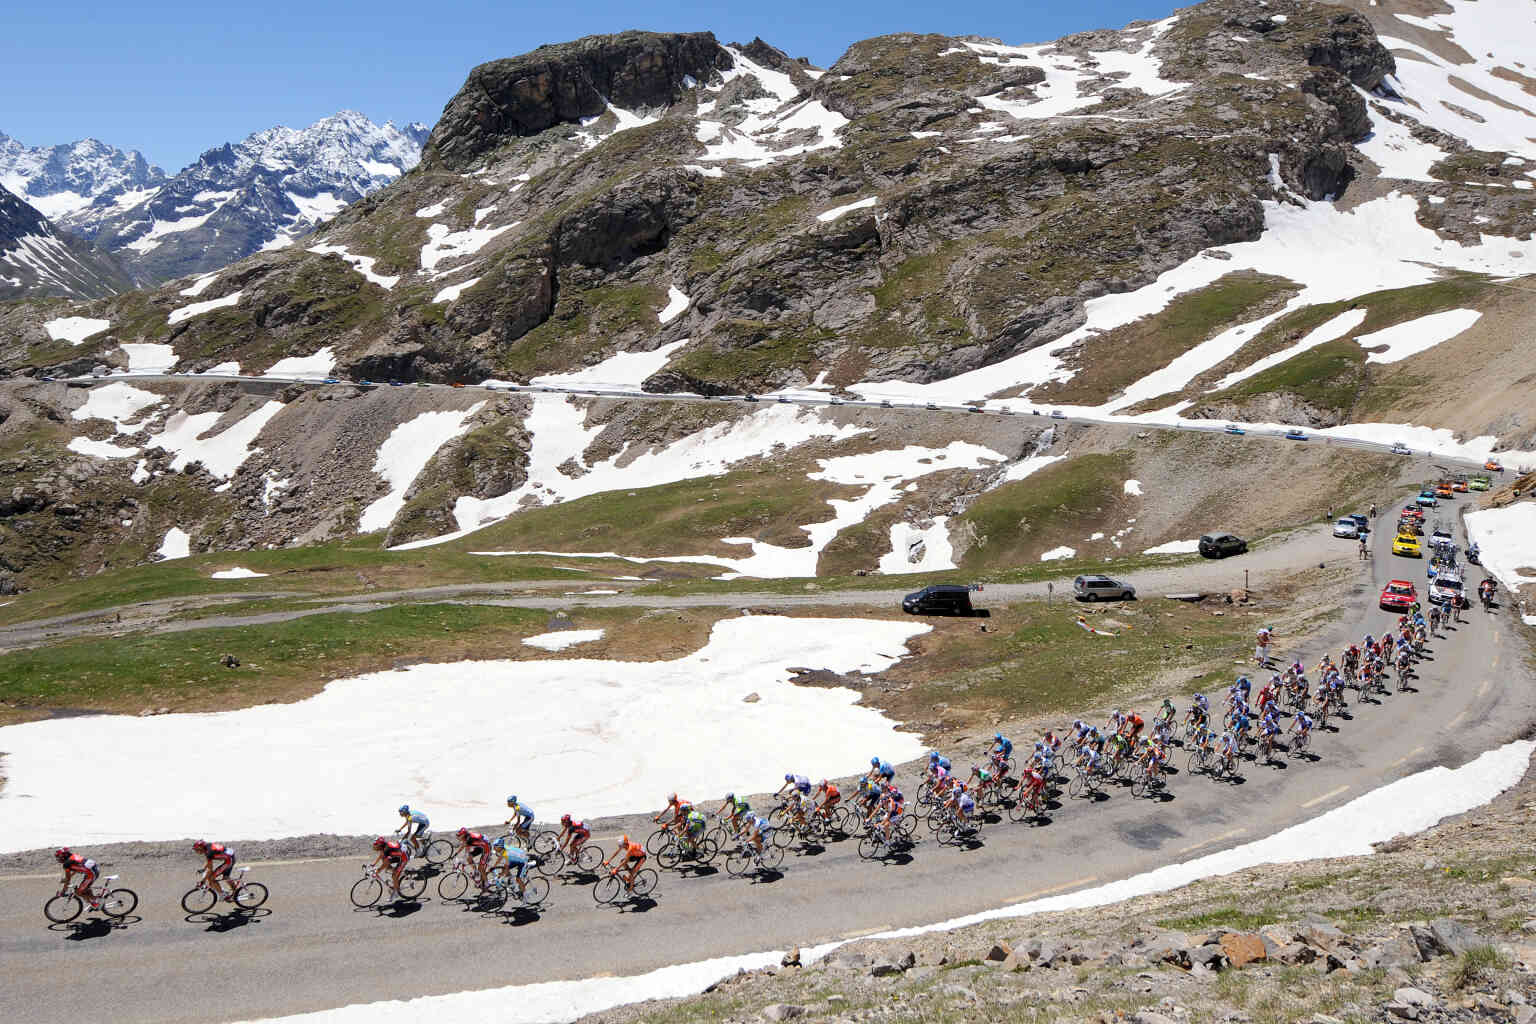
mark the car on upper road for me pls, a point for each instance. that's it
(1102, 588)
(1441, 536)
(1295, 435)
(1398, 595)
(1057, 414)
(885, 403)
(1427, 499)
(1398, 448)
(1347, 527)
(1493, 466)
(1443, 489)
(1407, 545)
(331, 380)
(1412, 512)
(1361, 520)
(1479, 483)
(749, 398)
(1222, 545)
(939, 599)
(930, 405)
(1233, 428)
(1447, 589)
(1459, 484)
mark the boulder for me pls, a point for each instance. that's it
(1294, 953)
(999, 952)
(1152, 1017)
(884, 969)
(783, 1011)
(791, 959)
(1398, 951)
(1242, 949)
(1321, 935)
(1414, 997)
(1455, 937)
(1424, 939)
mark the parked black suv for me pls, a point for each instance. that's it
(1220, 545)
(940, 599)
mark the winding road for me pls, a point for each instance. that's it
(308, 949)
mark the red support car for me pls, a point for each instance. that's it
(1398, 596)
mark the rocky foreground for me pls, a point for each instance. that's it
(1440, 926)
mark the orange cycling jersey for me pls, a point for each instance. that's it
(633, 851)
(832, 793)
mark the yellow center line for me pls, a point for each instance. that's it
(1026, 897)
(869, 931)
(1213, 839)
(1319, 799)
(1455, 721)
(1483, 689)
(1412, 753)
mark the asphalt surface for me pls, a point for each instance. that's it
(308, 949)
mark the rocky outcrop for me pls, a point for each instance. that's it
(564, 83)
(37, 259)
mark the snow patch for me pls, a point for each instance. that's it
(453, 291)
(1057, 554)
(119, 402)
(914, 550)
(99, 449)
(443, 244)
(560, 639)
(310, 367)
(148, 358)
(839, 211)
(75, 329)
(199, 308)
(1133, 487)
(1506, 538)
(625, 371)
(224, 452)
(362, 264)
(237, 573)
(677, 303)
(177, 544)
(1415, 336)
(404, 454)
(1174, 547)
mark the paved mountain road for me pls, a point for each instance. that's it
(309, 950)
(1282, 553)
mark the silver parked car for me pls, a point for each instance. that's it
(1102, 588)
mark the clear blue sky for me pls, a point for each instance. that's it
(172, 79)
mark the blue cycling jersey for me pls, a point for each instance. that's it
(886, 771)
(525, 814)
(1005, 746)
(418, 819)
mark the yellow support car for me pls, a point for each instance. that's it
(1407, 545)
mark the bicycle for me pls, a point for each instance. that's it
(500, 888)
(699, 851)
(1300, 744)
(248, 895)
(588, 856)
(368, 890)
(1028, 807)
(747, 855)
(950, 831)
(433, 849)
(1200, 758)
(455, 882)
(608, 888)
(67, 904)
(1145, 780)
(1084, 783)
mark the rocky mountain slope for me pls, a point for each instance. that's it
(1250, 210)
(36, 259)
(238, 199)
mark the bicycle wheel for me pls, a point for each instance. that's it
(706, 851)
(842, 821)
(736, 863)
(250, 895)
(907, 826)
(453, 885)
(945, 833)
(366, 892)
(781, 837)
(772, 857)
(1139, 784)
(438, 851)
(199, 900)
(535, 891)
(1019, 809)
(669, 856)
(606, 889)
(545, 843)
(589, 857)
(645, 883)
(1076, 787)
(1194, 763)
(654, 841)
(551, 863)
(412, 886)
(63, 909)
(870, 847)
(925, 793)
(119, 903)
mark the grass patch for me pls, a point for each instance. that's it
(1110, 362)
(1219, 917)
(1329, 378)
(1067, 500)
(1476, 964)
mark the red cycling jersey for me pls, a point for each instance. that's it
(80, 865)
(394, 853)
(477, 844)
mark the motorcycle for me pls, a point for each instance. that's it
(1473, 555)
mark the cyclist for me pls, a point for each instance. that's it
(512, 861)
(1000, 752)
(85, 867)
(1302, 727)
(1156, 757)
(1131, 730)
(477, 848)
(799, 788)
(1200, 710)
(1032, 786)
(893, 803)
(879, 771)
(679, 809)
(631, 855)
(936, 761)
(693, 830)
(827, 798)
(961, 805)
(1163, 721)
(573, 834)
(521, 821)
(392, 857)
(1115, 722)
(1229, 748)
(754, 830)
(1269, 729)
(218, 862)
(981, 779)
(733, 812)
(412, 828)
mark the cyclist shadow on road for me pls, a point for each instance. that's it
(396, 910)
(637, 905)
(520, 917)
(95, 928)
(228, 922)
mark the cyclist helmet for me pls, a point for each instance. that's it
(671, 798)
(380, 843)
(874, 762)
(461, 833)
(730, 798)
(512, 801)
(975, 768)
(789, 776)
(405, 808)
(565, 819)
(62, 854)
(623, 841)
(1077, 723)
(997, 736)
(822, 784)
(201, 846)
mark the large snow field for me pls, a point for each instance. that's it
(1506, 538)
(1417, 335)
(593, 738)
(75, 329)
(1410, 804)
(149, 357)
(118, 402)
(625, 370)
(761, 137)
(315, 366)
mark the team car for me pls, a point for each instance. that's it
(1398, 596)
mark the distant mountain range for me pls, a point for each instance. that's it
(35, 259)
(237, 199)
